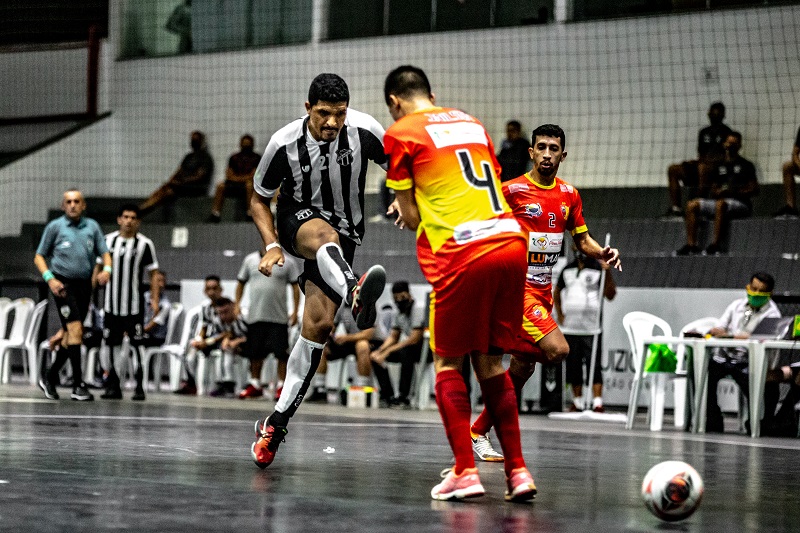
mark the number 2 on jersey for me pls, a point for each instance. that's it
(480, 182)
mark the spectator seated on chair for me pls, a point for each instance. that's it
(733, 187)
(238, 178)
(403, 345)
(345, 340)
(156, 311)
(738, 322)
(229, 336)
(791, 169)
(781, 422)
(697, 172)
(190, 180)
(212, 288)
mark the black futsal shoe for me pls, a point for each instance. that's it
(49, 389)
(81, 394)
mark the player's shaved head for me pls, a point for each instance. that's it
(406, 82)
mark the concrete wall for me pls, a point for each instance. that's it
(630, 93)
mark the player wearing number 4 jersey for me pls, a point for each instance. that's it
(545, 206)
(445, 175)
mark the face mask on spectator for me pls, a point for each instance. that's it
(757, 299)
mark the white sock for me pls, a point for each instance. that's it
(597, 401)
(299, 372)
(319, 381)
(278, 384)
(255, 383)
(578, 401)
(362, 381)
(227, 367)
(335, 271)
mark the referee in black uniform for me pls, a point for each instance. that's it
(71, 245)
(132, 256)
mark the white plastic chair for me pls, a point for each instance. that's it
(639, 325)
(4, 305)
(177, 350)
(173, 320)
(18, 337)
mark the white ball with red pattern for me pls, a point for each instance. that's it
(672, 490)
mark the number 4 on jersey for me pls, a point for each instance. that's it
(486, 181)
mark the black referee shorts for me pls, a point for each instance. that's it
(115, 327)
(290, 217)
(264, 338)
(75, 305)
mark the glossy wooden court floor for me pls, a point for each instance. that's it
(183, 464)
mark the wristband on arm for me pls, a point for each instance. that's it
(47, 276)
(272, 245)
(108, 269)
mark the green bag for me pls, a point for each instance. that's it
(660, 359)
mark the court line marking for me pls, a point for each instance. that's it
(594, 431)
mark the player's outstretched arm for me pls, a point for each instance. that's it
(590, 247)
(262, 216)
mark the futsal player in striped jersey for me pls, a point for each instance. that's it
(133, 257)
(319, 163)
(444, 173)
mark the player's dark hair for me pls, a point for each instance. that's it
(129, 207)
(213, 277)
(405, 82)
(737, 135)
(766, 279)
(719, 106)
(222, 301)
(247, 136)
(514, 124)
(328, 88)
(549, 130)
(400, 286)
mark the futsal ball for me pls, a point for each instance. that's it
(672, 490)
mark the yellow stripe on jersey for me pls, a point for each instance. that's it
(580, 229)
(400, 185)
(431, 322)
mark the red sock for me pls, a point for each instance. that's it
(501, 403)
(484, 422)
(454, 406)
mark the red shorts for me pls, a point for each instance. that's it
(478, 307)
(537, 321)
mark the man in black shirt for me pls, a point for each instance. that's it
(791, 169)
(190, 180)
(733, 187)
(697, 172)
(238, 177)
(513, 156)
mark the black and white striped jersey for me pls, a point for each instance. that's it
(130, 260)
(327, 176)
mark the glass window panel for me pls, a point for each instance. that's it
(409, 16)
(351, 19)
(462, 14)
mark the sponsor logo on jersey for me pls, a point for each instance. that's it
(518, 187)
(64, 310)
(537, 312)
(304, 214)
(566, 188)
(344, 157)
(533, 210)
(564, 210)
(306, 169)
(541, 242)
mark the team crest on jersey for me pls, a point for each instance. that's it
(541, 242)
(533, 210)
(344, 157)
(537, 312)
(306, 169)
(564, 210)
(518, 187)
(304, 214)
(64, 310)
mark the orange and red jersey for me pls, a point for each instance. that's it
(448, 158)
(544, 214)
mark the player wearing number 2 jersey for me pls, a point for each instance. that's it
(445, 175)
(545, 207)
